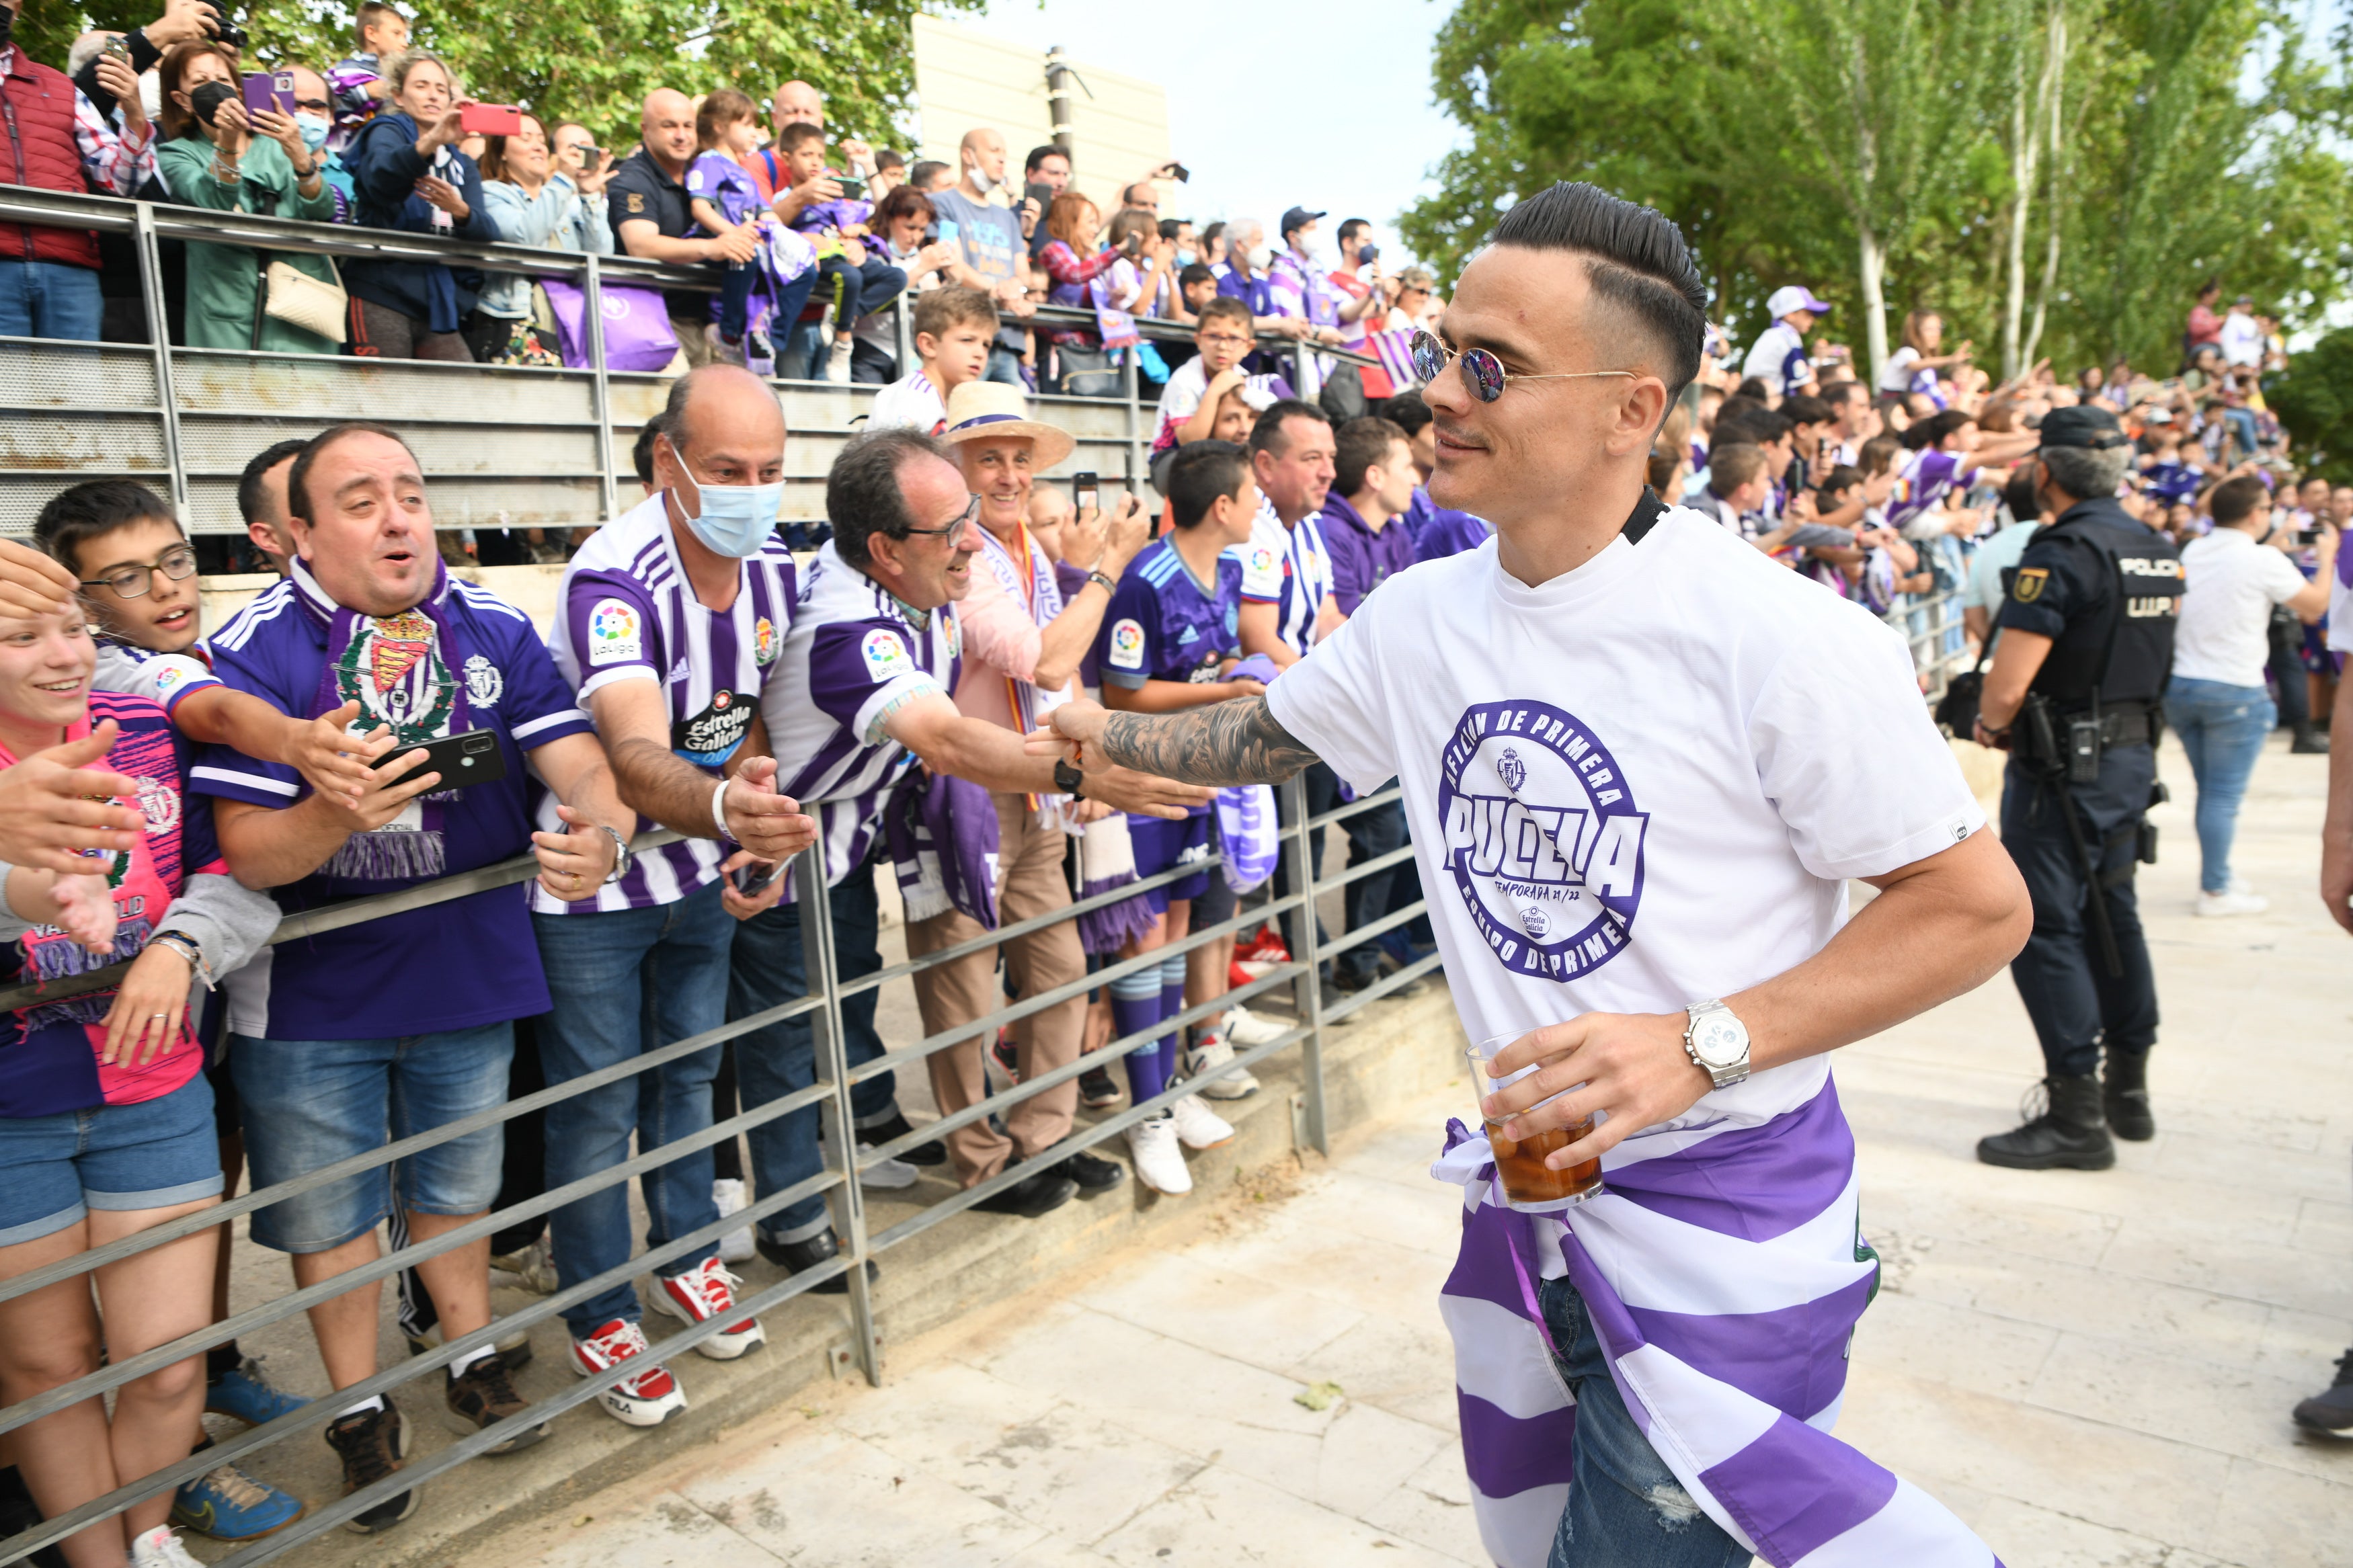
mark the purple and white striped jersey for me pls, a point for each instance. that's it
(1928, 477)
(854, 657)
(1288, 568)
(627, 612)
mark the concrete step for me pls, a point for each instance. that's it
(1383, 1058)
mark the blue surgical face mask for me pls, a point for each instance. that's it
(1185, 258)
(314, 129)
(735, 520)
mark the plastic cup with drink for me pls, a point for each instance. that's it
(1529, 1185)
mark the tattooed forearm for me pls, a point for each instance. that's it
(1226, 743)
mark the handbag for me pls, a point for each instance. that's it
(294, 296)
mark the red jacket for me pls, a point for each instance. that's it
(36, 115)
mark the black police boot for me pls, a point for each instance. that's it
(793, 1257)
(2124, 1094)
(2308, 742)
(2331, 1412)
(2068, 1132)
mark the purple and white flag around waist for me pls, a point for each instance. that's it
(1724, 1274)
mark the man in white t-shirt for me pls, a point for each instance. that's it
(1641, 762)
(2215, 701)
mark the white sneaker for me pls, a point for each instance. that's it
(533, 1268)
(161, 1547)
(645, 1398)
(734, 1246)
(1232, 1083)
(837, 363)
(722, 350)
(1246, 1028)
(889, 1176)
(2231, 903)
(1198, 1125)
(701, 1294)
(1159, 1163)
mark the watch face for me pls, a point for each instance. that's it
(1719, 1041)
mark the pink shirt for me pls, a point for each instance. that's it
(1001, 642)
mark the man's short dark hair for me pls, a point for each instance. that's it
(1194, 273)
(1636, 260)
(1170, 227)
(886, 159)
(1407, 412)
(1199, 473)
(641, 455)
(1729, 468)
(1038, 156)
(2018, 495)
(863, 493)
(1754, 386)
(798, 133)
(1350, 226)
(1838, 392)
(1842, 477)
(250, 497)
(1739, 405)
(2233, 500)
(298, 481)
(920, 175)
(1922, 434)
(1759, 426)
(1358, 445)
(1800, 409)
(75, 516)
(1267, 436)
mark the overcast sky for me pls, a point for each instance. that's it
(1353, 131)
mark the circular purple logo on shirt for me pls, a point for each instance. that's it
(1543, 838)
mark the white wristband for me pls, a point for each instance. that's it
(718, 807)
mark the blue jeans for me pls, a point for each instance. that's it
(151, 1155)
(50, 300)
(2222, 728)
(768, 971)
(308, 1103)
(1005, 366)
(625, 983)
(1626, 1509)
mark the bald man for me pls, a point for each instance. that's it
(798, 103)
(647, 205)
(993, 238)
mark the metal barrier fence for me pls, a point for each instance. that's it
(504, 445)
(829, 1093)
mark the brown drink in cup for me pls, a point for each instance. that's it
(1529, 1185)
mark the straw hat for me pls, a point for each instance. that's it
(992, 410)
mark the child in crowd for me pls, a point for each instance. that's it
(2163, 473)
(862, 281)
(106, 1118)
(1737, 488)
(356, 83)
(1189, 403)
(1168, 640)
(722, 198)
(954, 327)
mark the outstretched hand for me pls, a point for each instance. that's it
(771, 826)
(1069, 730)
(53, 806)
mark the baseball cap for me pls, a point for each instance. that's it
(1298, 218)
(2093, 429)
(1793, 298)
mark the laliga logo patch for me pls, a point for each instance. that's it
(886, 657)
(1126, 645)
(613, 633)
(1543, 838)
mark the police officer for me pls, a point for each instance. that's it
(2087, 642)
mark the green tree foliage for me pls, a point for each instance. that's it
(595, 60)
(2314, 403)
(1749, 121)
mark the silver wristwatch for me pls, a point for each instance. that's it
(1718, 1043)
(620, 853)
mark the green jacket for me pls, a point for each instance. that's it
(224, 280)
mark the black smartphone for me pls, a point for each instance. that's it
(1086, 491)
(753, 879)
(2307, 536)
(1042, 193)
(472, 758)
(1180, 173)
(852, 187)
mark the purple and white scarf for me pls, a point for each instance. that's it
(407, 671)
(941, 832)
(1116, 326)
(1723, 1269)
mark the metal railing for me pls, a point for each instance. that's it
(836, 1183)
(504, 445)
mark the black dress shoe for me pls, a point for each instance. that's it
(1041, 1193)
(1092, 1174)
(798, 1256)
(932, 1152)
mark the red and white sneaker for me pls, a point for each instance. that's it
(701, 1294)
(647, 1398)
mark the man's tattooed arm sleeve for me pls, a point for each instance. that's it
(1226, 743)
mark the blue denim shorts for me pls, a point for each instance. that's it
(1160, 845)
(310, 1103)
(54, 1169)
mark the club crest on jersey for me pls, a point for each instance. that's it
(484, 684)
(886, 655)
(1543, 838)
(1126, 643)
(764, 645)
(614, 637)
(389, 668)
(160, 803)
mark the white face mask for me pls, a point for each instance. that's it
(1260, 255)
(1311, 246)
(981, 180)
